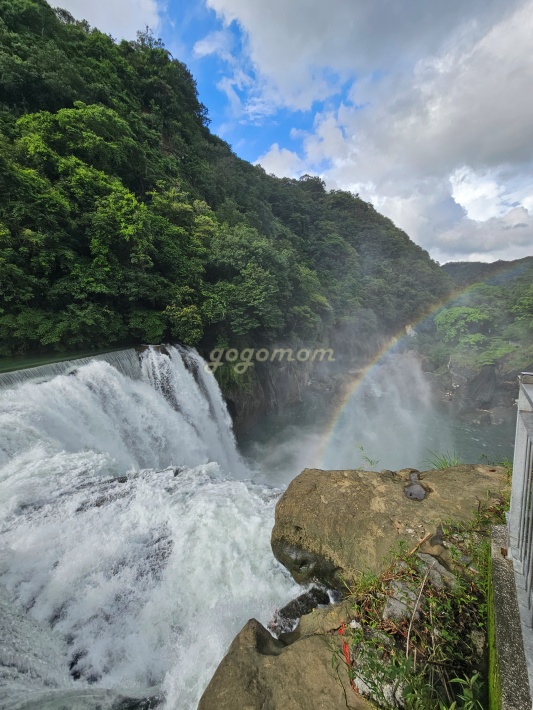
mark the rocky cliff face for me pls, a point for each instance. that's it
(485, 396)
(273, 386)
(276, 387)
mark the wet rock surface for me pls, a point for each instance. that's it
(286, 618)
(481, 396)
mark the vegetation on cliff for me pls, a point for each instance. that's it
(489, 322)
(416, 635)
(124, 219)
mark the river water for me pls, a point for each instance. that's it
(135, 539)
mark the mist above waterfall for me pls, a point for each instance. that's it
(381, 424)
(385, 416)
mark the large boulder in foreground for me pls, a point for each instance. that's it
(262, 673)
(333, 525)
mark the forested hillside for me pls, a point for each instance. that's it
(123, 219)
(491, 319)
(466, 273)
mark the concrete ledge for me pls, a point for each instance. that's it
(508, 676)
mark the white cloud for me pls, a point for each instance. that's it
(119, 18)
(480, 195)
(299, 46)
(239, 82)
(218, 42)
(436, 127)
(282, 162)
(506, 237)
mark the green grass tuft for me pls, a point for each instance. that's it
(440, 461)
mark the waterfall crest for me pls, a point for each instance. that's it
(125, 361)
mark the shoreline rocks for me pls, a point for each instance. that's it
(330, 526)
(478, 396)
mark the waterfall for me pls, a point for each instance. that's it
(133, 547)
(181, 379)
(125, 361)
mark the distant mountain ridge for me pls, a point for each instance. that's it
(466, 273)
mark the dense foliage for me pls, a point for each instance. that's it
(490, 321)
(124, 219)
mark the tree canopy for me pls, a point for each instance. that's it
(490, 321)
(124, 219)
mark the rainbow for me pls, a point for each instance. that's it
(351, 391)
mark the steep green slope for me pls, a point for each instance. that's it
(123, 218)
(490, 321)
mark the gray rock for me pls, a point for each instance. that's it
(285, 620)
(401, 604)
(415, 491)
(438, 575)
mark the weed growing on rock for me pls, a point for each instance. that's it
(366, 458)
(417, 636)
(439, 461)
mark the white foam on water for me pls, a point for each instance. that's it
(123, 539)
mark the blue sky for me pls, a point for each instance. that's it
(191, 31)
(422, 108)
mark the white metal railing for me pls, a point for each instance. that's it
(521, 513)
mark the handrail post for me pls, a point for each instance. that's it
(521, 515)
(521, 480)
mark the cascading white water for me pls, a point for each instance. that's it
(181, 379)
(129, 537)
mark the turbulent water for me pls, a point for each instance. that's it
(133, 544)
